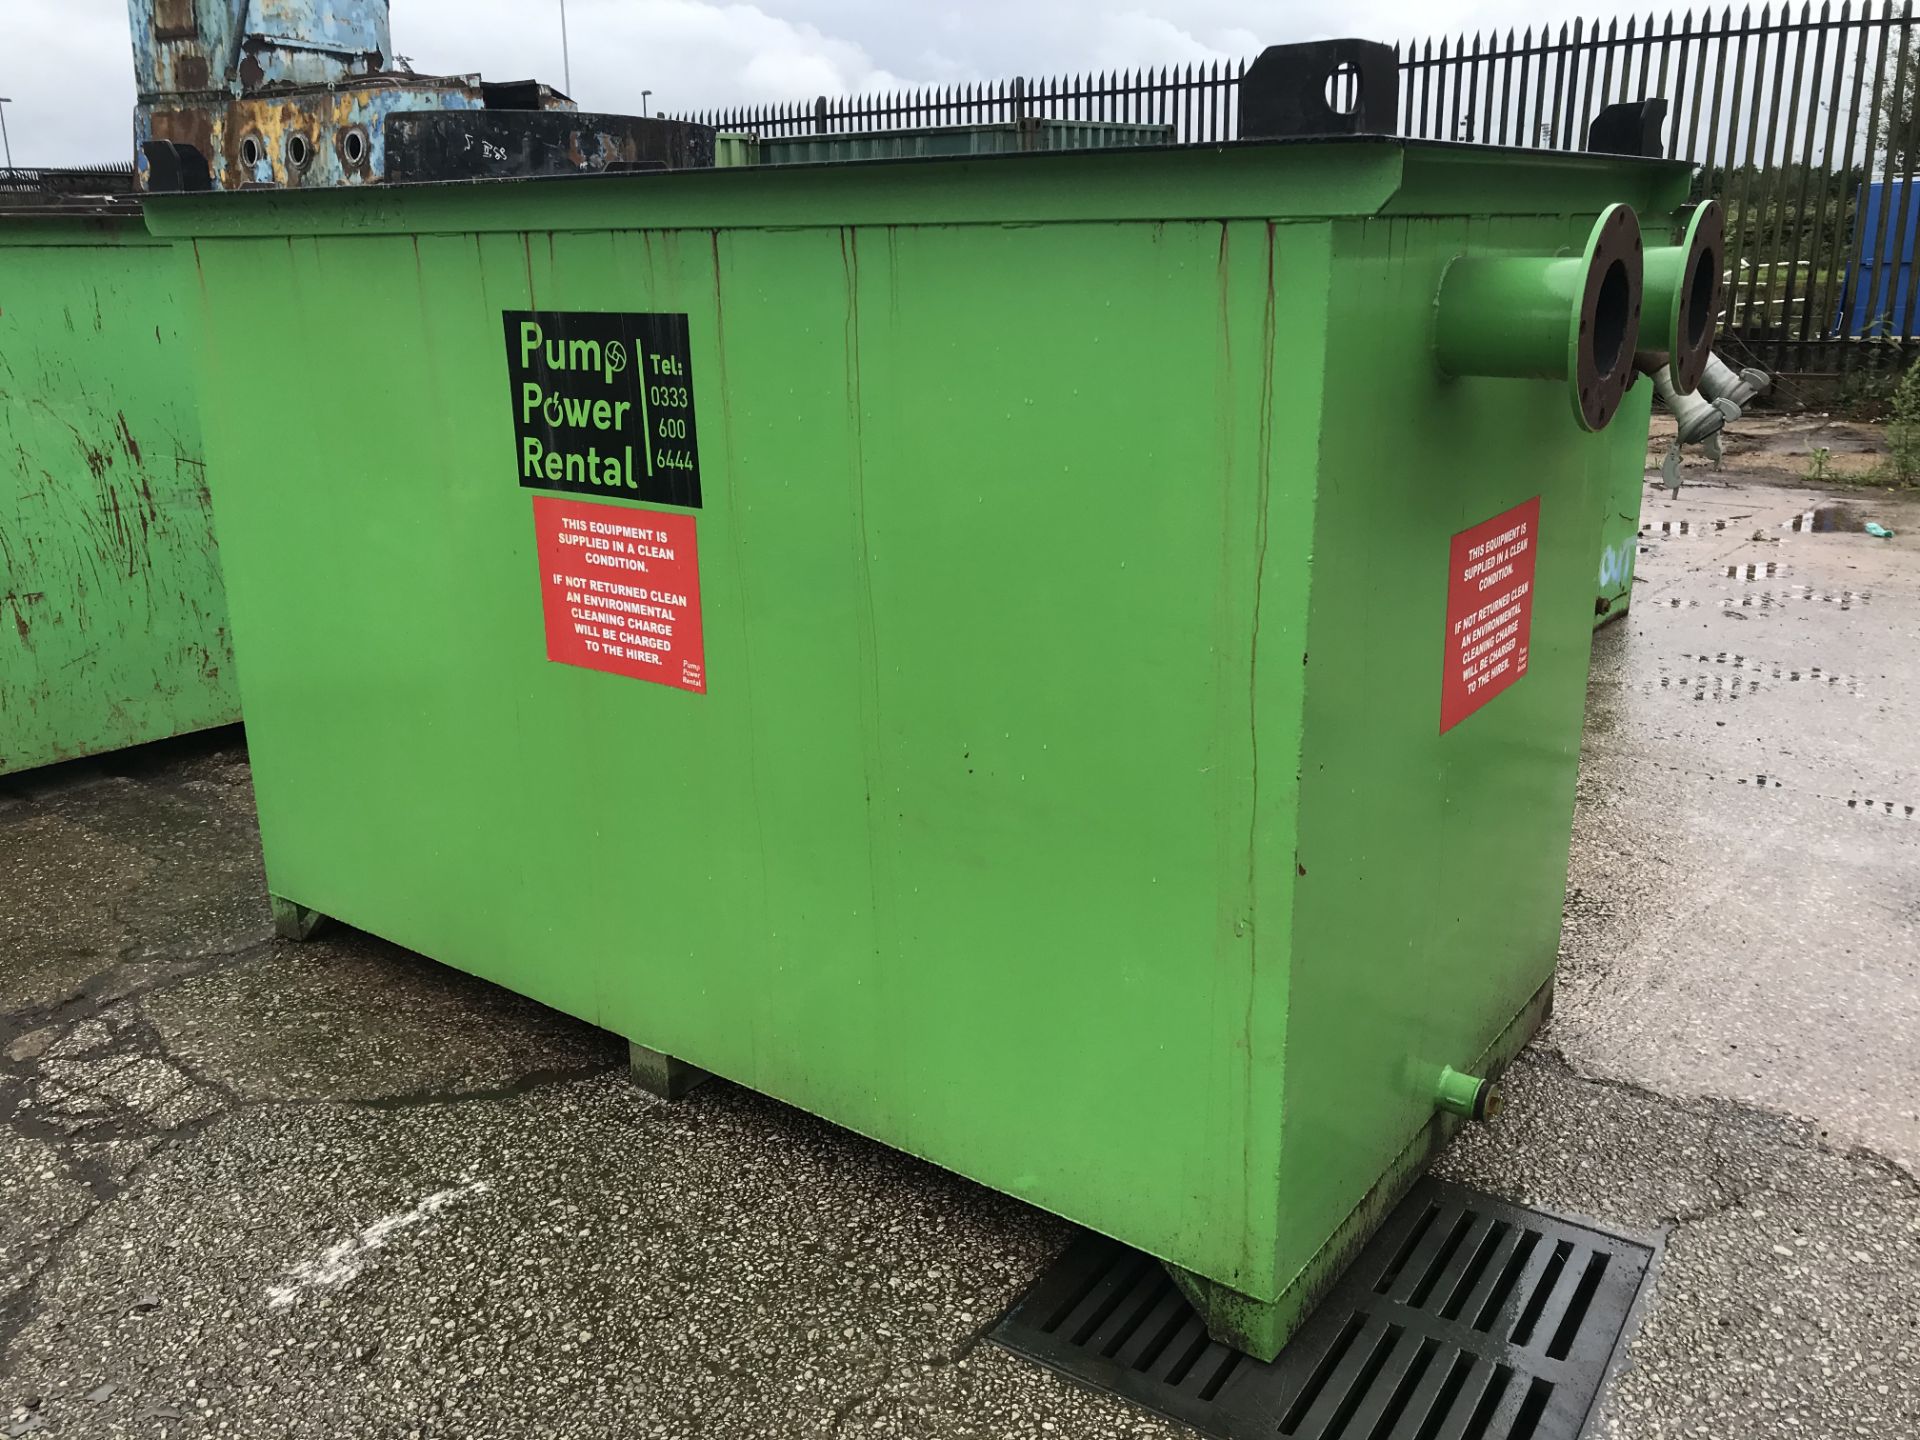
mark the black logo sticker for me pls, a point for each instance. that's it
(603, 405)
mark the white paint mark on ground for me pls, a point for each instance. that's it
(339, 1263)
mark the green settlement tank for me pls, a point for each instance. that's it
(1620, 513)
(113, 623)
(1685, 275)
(1029, 658)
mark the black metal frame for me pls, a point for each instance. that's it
(85, 180)
(1784, 110)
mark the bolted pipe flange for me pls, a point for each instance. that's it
(1559, 317)
(1611, 305)
(1685, 285)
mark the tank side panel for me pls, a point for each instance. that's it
(954, 850)
(1086, 575)
(1433, 863)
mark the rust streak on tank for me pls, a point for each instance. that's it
(97, 460)
(127, 441)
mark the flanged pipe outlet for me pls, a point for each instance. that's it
(1561, 317)
(1471, 1096)
(1685, 285)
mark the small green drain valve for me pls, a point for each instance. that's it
(1470, 1095)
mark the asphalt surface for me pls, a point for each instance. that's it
(250, 1188)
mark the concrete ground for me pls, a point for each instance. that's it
(255, 1189)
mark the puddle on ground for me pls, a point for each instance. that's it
(1754, 672)
(1768, 599)
(1891, 807)
(1838, 439)
(1828, 519)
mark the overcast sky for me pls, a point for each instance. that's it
(67, 66)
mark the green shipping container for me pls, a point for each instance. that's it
(113, 624)
(988, 651)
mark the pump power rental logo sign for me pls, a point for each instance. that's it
(603, 405)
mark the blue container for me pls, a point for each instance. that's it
(1874, 301)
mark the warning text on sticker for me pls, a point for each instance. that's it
(1489, 611)
(617, 547)
(1490, 563)
(646, 622)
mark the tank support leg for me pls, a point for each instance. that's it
(294, 922)
(663, 1075)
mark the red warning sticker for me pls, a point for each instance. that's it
(621, 591)
(1489, 610)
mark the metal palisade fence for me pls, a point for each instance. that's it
(1803, 120)
(87, 180)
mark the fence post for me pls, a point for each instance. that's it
(1019, 98)
(820, 116)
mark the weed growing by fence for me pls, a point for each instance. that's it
(1902, 465)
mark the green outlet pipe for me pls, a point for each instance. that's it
(1684, 286)
(1471, 1096)
(1558, 317)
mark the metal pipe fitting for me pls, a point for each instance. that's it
(1560, 317)
(1684, 287)
(1721, 382)
(1698, 417)
(1472, 1096)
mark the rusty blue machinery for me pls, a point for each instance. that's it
(238, 94)
(113, 618)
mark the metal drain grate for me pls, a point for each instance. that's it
(1464, 1318)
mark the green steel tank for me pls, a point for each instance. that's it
(1685, 274)
(1621, 488)
(113, 621)
(1069, 664)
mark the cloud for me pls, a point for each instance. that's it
(1135, 37)
(68, 67)
(689, 54)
